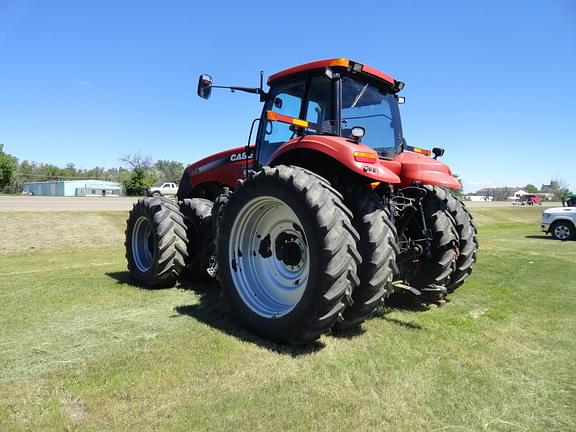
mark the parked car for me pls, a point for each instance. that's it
(533, 199)
(167, 189)
(529, 199)
(560, 223)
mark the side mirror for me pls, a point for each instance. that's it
(438, 152)
(358, 132)
(204, 86)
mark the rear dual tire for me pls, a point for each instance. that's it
(467, 235)
(430, 272)
(378, 248)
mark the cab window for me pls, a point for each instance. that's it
(287, 100)
(319, 103)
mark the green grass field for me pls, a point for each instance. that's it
(82, 349)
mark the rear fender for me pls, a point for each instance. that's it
(337, 149)
(428, 171)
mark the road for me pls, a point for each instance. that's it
(36, 203)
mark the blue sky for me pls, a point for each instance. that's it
(493, 82)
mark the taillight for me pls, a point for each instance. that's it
(365, 157)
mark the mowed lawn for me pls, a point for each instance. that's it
(83, 349)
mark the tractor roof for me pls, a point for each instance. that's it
(333, 62)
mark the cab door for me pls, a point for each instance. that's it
(285, 99)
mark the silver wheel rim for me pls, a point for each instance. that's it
(143, 244)
(562, 232)
(269, 257)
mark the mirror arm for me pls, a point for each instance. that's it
(254, 90)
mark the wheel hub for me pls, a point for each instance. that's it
(562, 232)
(269, 257)
(289, 250)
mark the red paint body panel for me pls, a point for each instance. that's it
(341, 150)
(405, 169)
(326, 63)
(413, 167)
(219, 168)
(378, 74)
(227, 167)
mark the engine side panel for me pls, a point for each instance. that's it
(223, 169)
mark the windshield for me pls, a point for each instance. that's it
(312, 98)
(376, 110)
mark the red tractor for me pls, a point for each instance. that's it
(326, 215)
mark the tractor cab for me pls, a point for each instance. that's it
(334, 116)
(332, 98)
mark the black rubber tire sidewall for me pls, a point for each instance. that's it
(567, 225)
(168, 263)
(303, 324)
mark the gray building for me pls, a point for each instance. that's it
(74, 188)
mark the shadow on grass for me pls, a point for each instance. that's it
(124, 277)
(211, 310)
(408, 325)
(539, 237)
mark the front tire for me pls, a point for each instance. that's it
(155, 243)
(286, 252)
(562, 231)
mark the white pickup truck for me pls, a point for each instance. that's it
(560, 222)
(167, 189)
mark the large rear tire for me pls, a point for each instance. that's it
(156, 242)
(378, 248)
(286, 252)
(197, 214)
(467, 236)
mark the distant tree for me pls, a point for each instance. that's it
(141, 176)
(137, 182)
(530, 188)
(561, 190)
(7, 168)
(137, 160)
(169, 171)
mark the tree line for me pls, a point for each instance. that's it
(559, 189)
(137, 174)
